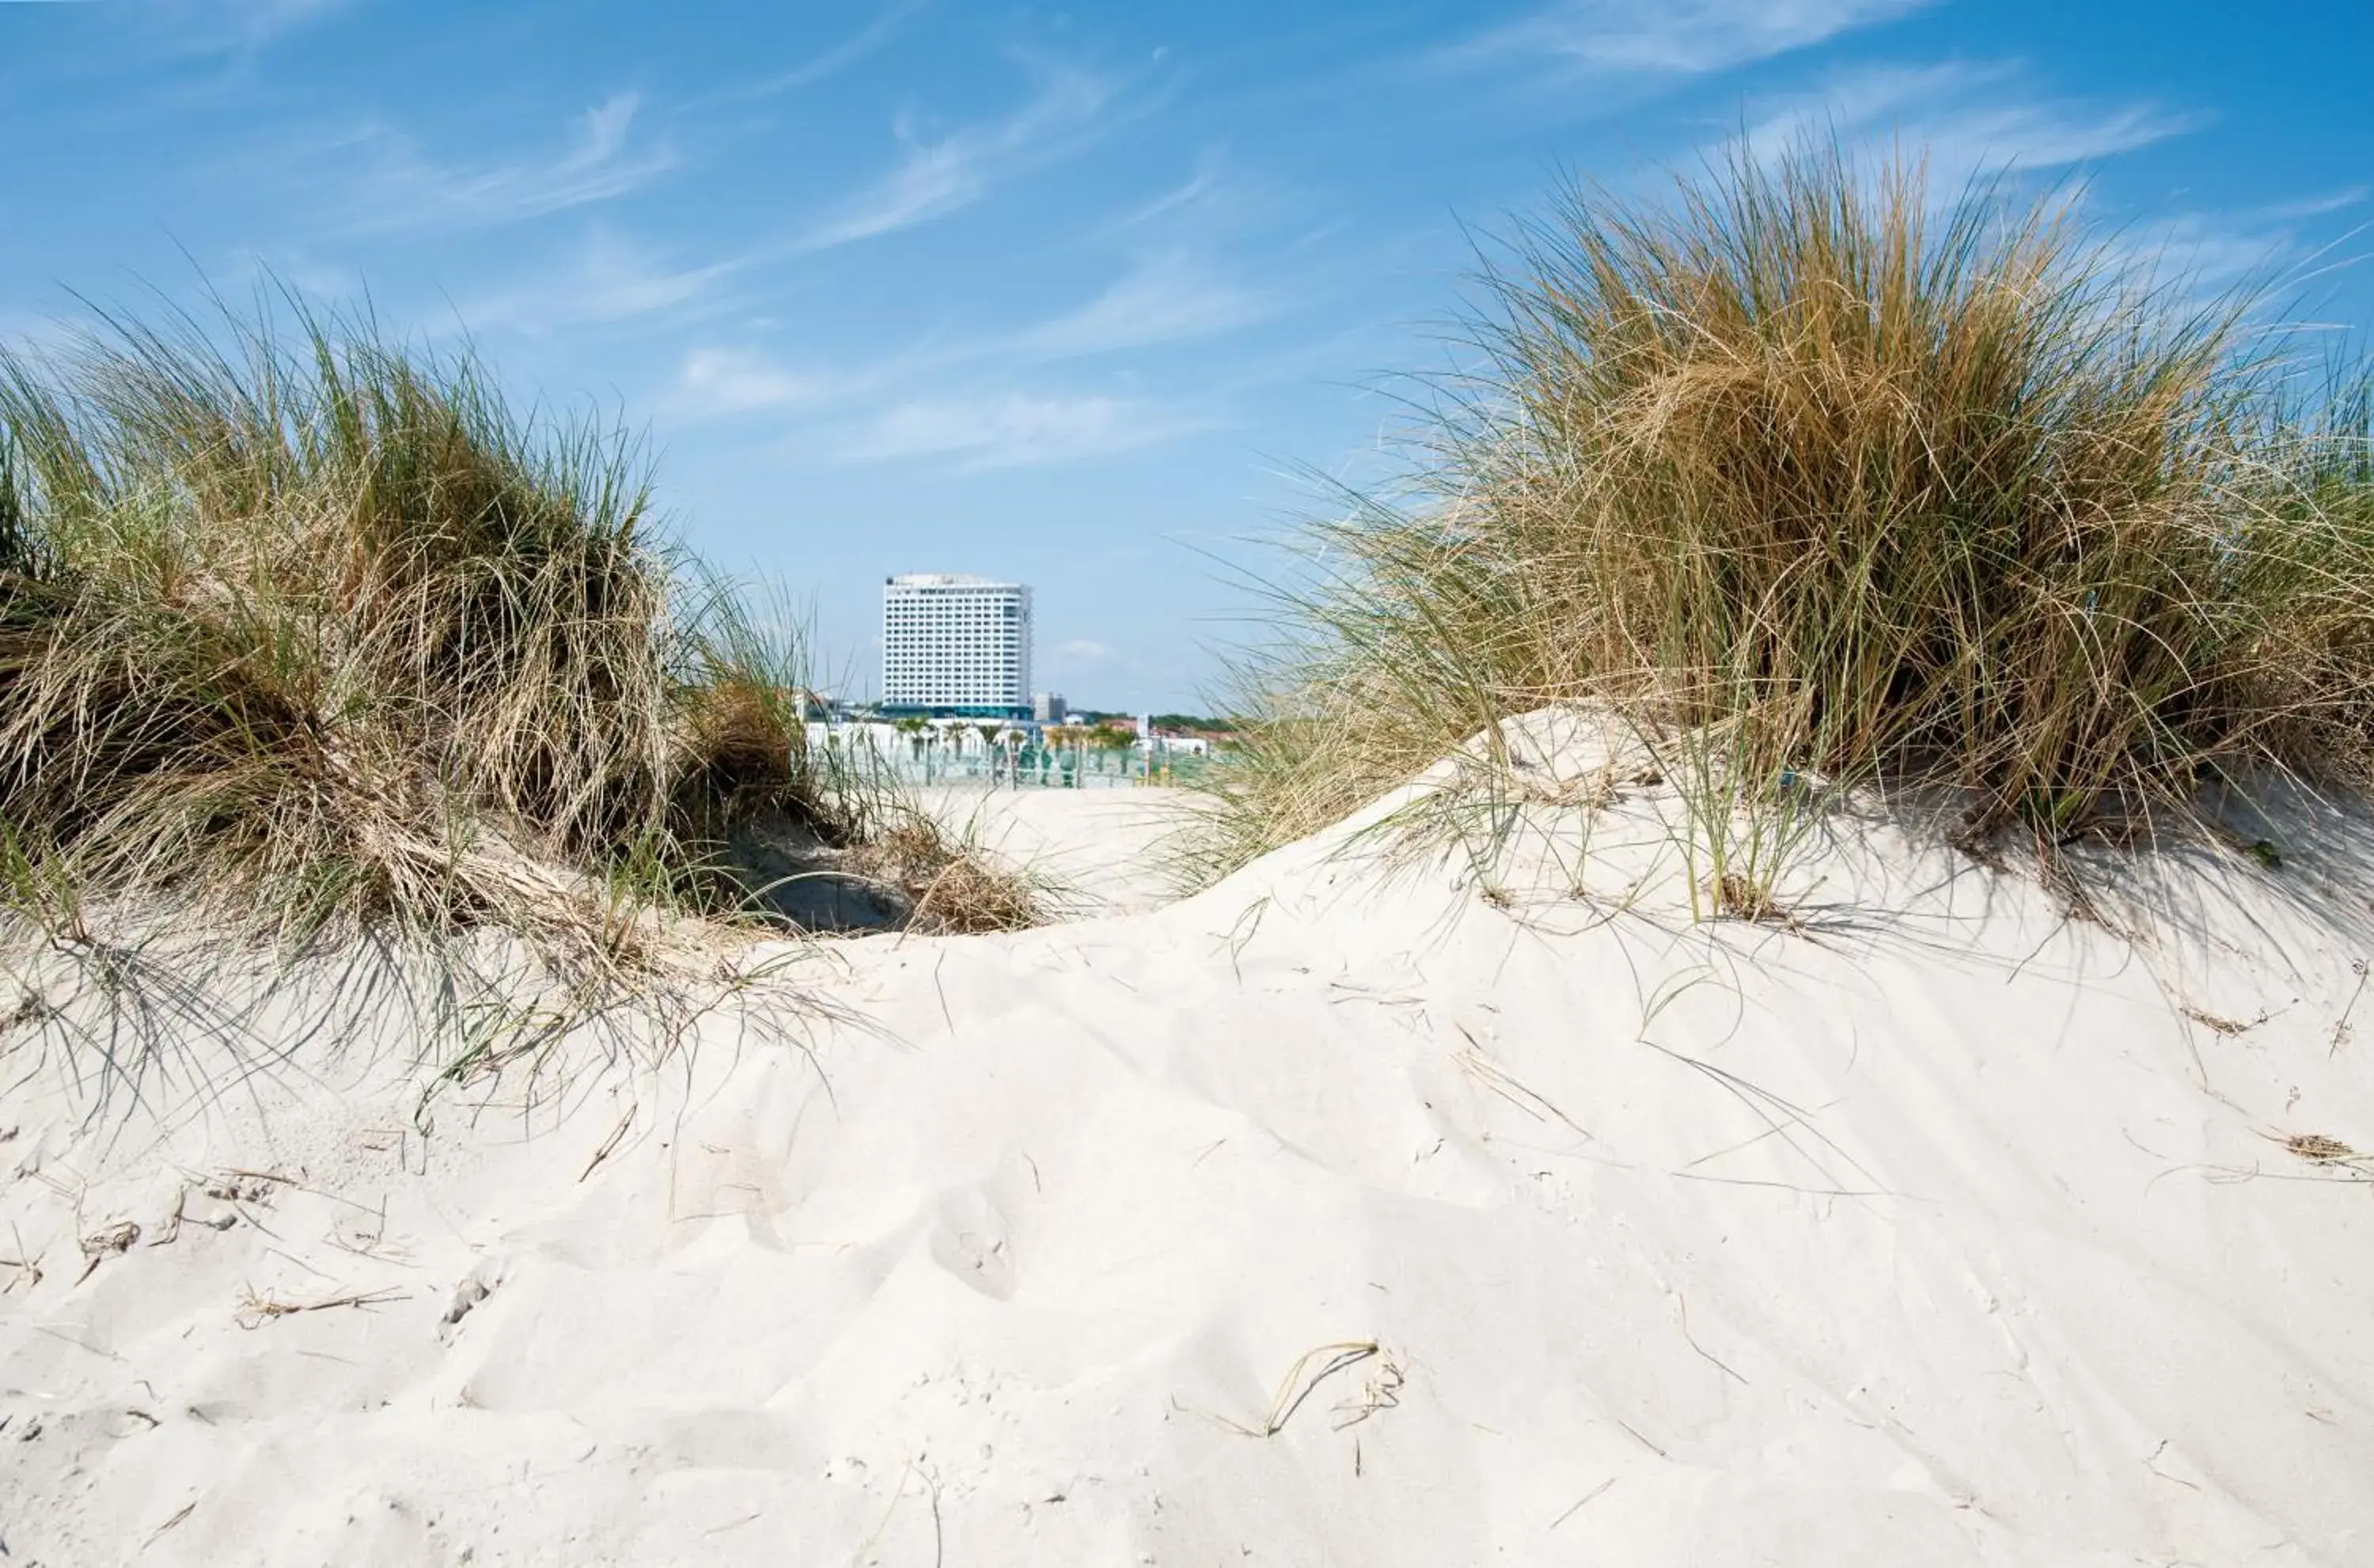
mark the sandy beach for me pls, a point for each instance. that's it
(1345, 1213)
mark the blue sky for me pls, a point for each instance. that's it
(1069, 296)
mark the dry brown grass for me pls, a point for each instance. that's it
(311, 636)
(1733, 896)
(953, 886)
(2318, 1149)
(1809, 474)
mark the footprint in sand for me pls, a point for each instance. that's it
(971, 1242)
(476, 1287)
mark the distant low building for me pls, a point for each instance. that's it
(1047, 707)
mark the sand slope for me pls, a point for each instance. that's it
(1934, 1232)
(1100, 850)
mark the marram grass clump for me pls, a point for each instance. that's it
(1805, 474)
(310, 634)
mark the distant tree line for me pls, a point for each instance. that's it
(1188, 721)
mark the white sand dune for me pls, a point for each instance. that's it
(1102, 850)
(1337, 1215)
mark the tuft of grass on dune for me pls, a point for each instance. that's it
(955, 887)
(1810, 476)
(307, 635)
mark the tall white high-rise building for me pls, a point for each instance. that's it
(956, 643)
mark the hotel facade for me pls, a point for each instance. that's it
(955, 646)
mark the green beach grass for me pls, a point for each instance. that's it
(1809, 473)
(306, 635)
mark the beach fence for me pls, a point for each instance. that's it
(1009, 758)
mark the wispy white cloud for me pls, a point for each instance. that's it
(2280, 242)
(841, 56)
(318, 279)
(1217, 201)
(1973, 120)
(934, 178)
(1079, 650)
(600, 158)
(1968, 119)
(1196, 191)
(1167, 298)
(2277, 247)
(956, 401)
(2316, 207)
(739, 381)
(610, 279)
(1674, 37)
(1213, 195)
(1014, 430)
(261, 18)
(216, 27)
(2209, 253)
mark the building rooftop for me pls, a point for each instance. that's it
(945, 580)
